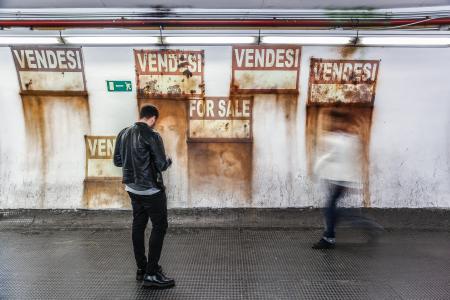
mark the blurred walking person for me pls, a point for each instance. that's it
(140, 152)
(339, 165)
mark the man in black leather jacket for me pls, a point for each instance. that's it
(140, 152)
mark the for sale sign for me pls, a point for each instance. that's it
(220, 119)
(342, 81)
(266, 69)
(169, 73)
(99, 157)
(49, 69)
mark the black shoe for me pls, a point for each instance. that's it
(163, 276)
(140, 274)
(323, 244)
(157, 281)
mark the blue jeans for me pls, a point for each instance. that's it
(331, 211)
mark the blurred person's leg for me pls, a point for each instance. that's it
(357, 220)
(331, 217)
(331, 211)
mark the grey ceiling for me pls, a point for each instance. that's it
(222, 4)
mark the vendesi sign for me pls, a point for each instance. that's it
(169, 73)
(118, 86)
(265, 69)
(99, 157)
(49, 68)
(221, 119)
(342, 81)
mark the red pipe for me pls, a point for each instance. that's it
(220, 23)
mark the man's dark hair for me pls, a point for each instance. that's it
(148, 111)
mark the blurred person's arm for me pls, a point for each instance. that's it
(320, 163)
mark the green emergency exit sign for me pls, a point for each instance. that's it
(118, 85)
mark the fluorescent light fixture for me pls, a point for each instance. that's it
(111, 40)
(404, 41)
(307, 40)
(205, 40)
(28, 40)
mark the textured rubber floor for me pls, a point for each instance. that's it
(227, 264)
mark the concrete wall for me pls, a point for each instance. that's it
(409, 146)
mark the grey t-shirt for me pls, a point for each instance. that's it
(139, 190)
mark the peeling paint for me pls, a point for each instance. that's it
(169, 73)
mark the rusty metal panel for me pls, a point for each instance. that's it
(333, 81)
(223, 169)
(169, 73)
(265, 69)
(53, 69)
(218, 119)
(99, 155)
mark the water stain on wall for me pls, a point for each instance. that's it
(275, 149)
(55, 128)
(347, 51)
(172, 125)
(317, 123)
(105, 193)
(289, 104)
(220, 171)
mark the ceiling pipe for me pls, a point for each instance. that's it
(355, 23)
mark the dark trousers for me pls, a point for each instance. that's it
(331, 211)
(155, 208)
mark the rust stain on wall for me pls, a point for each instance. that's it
(98, 194)
(221, 170)
(54, 126)
(290, 104)
(318, 122)
(168, 73)
(172, 126)
(347, 51)
(35, 140)
(346, 87)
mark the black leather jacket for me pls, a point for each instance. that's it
(140, 152)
